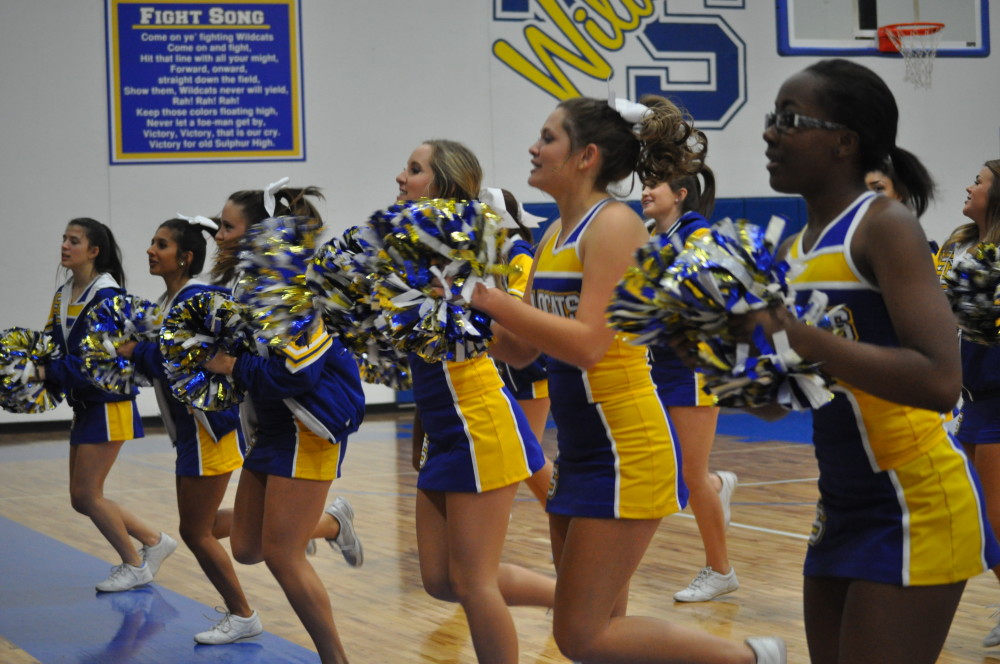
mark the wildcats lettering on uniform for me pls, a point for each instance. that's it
(560, 304)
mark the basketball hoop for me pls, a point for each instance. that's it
(917, 43)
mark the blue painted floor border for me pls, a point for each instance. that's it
(796, 427)
(49, 609)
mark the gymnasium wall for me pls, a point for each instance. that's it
(380, 77)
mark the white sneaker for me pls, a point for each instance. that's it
(125, 577)
(993, 638)
(726, 493)
(156, 554)
(709, 584)
(347, 540)
(768, 649)
(230, 629)
(311, 548)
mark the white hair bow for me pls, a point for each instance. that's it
(631, 111)
(269, 192)
(199, 220)
(493, 196)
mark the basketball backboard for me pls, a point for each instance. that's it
(847, 27)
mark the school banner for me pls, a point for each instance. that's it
(201, 80)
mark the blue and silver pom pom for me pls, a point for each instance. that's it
(109, 324)
(973, 288)
(194, 331)
(279, 303)
(691, 292)
(433, 253)
(22, 351)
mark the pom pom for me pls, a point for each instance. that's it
(749, 375)
(382, 364)
(432, 255)
(340, 276)
(195, 330)
(692, 291)
(279, 303)
(21, 351)
(110, 324)
(973, 289)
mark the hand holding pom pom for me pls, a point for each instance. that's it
(695, 295)
(111, 324)
(973, 289)
(433, 254)
(194, 331)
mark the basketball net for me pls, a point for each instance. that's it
(918, 45)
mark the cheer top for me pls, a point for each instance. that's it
(520, 381)
(556, 290)
(980, 363)
(666, 366)
(889, 434)
(181, 421)
(67, 327)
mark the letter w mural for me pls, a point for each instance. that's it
(699, 60)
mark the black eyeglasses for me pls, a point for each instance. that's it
(786, 120)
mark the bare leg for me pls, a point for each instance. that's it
(537, 412)
(198, 500)
(460, 537)
(248, 518)
(986, 459)
(223, 523)
(696, 433)
(291, 511)
(89, 466)
(587, 620)
(863, 622)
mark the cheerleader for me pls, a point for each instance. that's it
(529, 384)
(478, 447)
(900, 524)
(209, 445)
(302, 403)
(618, 469)
(679, 209)
(978, 427)
(102, 421)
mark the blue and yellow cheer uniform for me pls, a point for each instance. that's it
(618, 455)
(477, 438)
(676, 384)
(899, 502)
(207, 443)
(302, 402)
(98, 416)
(527, 382)
(979, 418)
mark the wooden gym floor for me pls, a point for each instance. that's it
(381, 610)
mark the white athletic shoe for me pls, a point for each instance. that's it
(230, 629)
(125, 577)
(993, 638)
(726, 493)
(709, 584)
(768, 649)
(347, 540)
(156, 554)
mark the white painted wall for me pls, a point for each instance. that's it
(379, 77)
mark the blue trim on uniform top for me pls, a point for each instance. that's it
(49, 609)
(796, 427)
